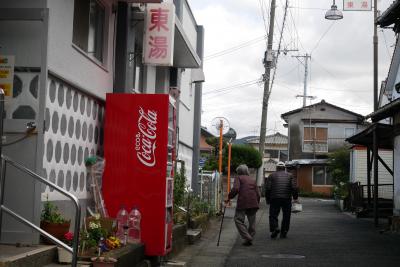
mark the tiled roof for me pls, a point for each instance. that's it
(275, 139)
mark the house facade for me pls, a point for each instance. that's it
(313, 132)
(388, 112)
(68, 55)
(276, 149)
(359, 170)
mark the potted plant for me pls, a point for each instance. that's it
(65, 256)
(91, 236)
(103, 261)
(53, 222)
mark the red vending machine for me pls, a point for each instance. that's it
(139, 149)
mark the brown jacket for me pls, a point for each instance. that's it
(246, 188)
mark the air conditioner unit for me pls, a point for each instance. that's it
(138, 7)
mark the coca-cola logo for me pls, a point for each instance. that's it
(145, 139)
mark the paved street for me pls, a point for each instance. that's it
(319, 236)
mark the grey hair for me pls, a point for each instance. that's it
(242, 169)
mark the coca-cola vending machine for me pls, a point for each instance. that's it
(139, 149)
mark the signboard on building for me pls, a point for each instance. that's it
(7, 74)
(158, 42)
(357, 5)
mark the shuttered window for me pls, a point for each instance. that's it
(315, 139)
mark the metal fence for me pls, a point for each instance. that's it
(359, 194)
(211, 189)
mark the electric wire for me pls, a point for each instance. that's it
(235, 48)
(386, 44)
(231, 87)
(279, 47)
(296, 31)
(263, 17)
(322, 37)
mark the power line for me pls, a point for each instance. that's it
(387, 47)
(231, 87)
(295, 28)
(235, 48)
(279, 46)
(263, 16)
(323, 35)
(290, 71)
(311, 8)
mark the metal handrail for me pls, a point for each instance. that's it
(74, 248)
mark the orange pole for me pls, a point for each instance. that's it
(229, 167)
(220, 147)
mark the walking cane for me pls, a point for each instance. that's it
(220, 229)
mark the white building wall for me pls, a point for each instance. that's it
(358, 170)
(189, 25)
(68, 61)
(396, 155)
(186, 154)
(186, 109)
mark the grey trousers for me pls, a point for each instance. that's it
(245, 232)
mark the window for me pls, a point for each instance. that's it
(138, 69)
(283, 155)
(321, 176)
(315, 139)
(88, 31)
(348, 132)
(270, 153)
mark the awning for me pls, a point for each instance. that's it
(365, 138)
(390, 15)
(385, 111)
(185, 55)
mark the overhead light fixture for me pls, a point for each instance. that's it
(333, 13)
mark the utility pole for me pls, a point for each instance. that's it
(268, 58)
(375, 136)
(304, 96)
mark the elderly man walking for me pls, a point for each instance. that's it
(279, 189)
(247, 203)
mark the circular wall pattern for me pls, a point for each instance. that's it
(76, 129)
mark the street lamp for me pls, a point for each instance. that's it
(333, 13)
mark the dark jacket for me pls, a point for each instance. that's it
(246, 188)
(280, 184)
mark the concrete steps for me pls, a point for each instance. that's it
(23, 256)
(193, 235)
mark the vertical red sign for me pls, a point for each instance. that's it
(135, 149)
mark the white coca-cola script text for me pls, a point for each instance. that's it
(146, 137)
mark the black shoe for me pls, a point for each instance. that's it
(275, 233)
(283, 235)
(247, 243)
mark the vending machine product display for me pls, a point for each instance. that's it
(139, 149)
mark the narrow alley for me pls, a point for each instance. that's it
(319, 236)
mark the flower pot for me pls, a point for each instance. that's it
(55, 229)
(64, 256)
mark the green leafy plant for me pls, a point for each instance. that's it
(339, 168)
(94, 232)
(240, 154)
(243, 154)
(51, 214)
(179, 186)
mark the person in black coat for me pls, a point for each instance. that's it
(280, 187)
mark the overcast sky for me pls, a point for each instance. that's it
(340, 70)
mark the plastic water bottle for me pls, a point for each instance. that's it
(134, 219)
(122, 224)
